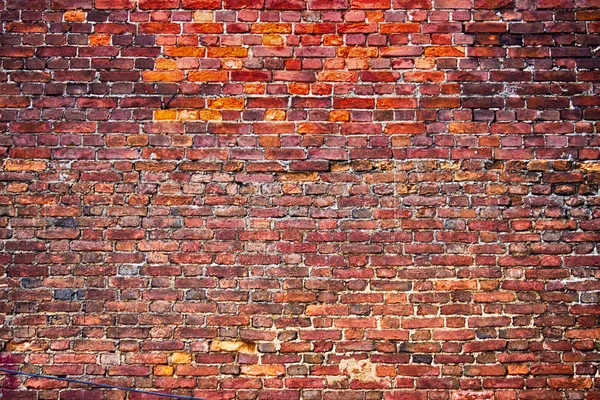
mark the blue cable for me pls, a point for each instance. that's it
(102, 385)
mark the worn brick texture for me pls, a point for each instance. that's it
(301, 199)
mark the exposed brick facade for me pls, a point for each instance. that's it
(345, 199)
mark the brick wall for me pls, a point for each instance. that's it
(356, 199)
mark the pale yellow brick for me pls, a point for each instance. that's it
(275, 115)
(24, 165)
(203, 16)
(236, 346)
(164, 370)
(181, 358)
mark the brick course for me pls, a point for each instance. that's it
(315, 199)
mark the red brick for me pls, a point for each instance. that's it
(160, 28)
(478, 27)
(327, 4)
(410, 4)
(353, 103)
(115, 4)
(201, 4)
(19, 52)
(71, 4)
(396, 102)
(26, 4)
(250, 76)
(285, 4)
(440, 102)
(243, 4)
(379, 76)
(158, 4)
(555, 4)
(13, 102)
(370, 4)
(493, 4)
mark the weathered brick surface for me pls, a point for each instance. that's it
(358, 199)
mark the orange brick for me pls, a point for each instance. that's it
(220, 52)
(165, 114)
(456, 285)
(164, 370)
(467, 127)
(207, 76)
(16, 187)
(226, 103)
(260, 370)
(24, 165)
(99, 40)
(518, 369)
(271, 27)
(570, 382)
(210, 115)
(299, 88)
(444, 51)
(184, 51)
(165, 63)
(339, 116)
(396, 102)
(272, 40)
(254, 88)
(74, 16)
(337, 76)
(424, 76)
(206, 28)
(181, 358)
(275, 115)
(162, 76)
(333, 40)
(376, 16)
